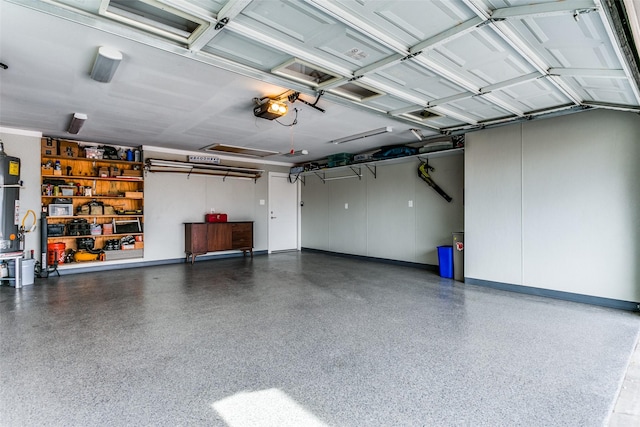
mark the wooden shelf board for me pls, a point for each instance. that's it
(88, 159)
(95, 235)
(95, 216)
(92, 197)
(96, 178)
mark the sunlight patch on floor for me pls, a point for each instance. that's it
(264, 408)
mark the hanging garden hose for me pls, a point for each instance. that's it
(23, 230)
(24, 218)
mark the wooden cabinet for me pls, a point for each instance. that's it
(113, 188)
(201, 237)
(219, 236)
(196, 238)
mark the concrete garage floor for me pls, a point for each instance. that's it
(302, 339)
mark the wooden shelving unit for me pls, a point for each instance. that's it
(76, 174)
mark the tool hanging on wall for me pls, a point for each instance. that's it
(423, 173)
(23, 230)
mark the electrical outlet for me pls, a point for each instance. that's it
(261, 202)
(346, 205)
(410, 203)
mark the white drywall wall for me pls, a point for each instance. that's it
(315, 214)
(379, 221)
(397, 236)
(493, 205)
(172, 199)
(579, 210)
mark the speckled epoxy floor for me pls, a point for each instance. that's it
(302, 339)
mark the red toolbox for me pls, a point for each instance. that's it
(215, 217)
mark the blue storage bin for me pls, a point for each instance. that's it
(445, 261)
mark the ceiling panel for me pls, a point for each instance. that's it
(417, 81)
(305, 33)
(477, 108)
(564, 42)
(443, 57)
(616, 91)
(441, 122)
(535, 95)
(243, 50)
(410, 21)
(387, 103)
(481, 58)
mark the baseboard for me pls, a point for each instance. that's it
(549, 293)
(97, 267)
(429, 267)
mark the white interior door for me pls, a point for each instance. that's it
(283, 213)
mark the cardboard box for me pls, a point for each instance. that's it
(139, 245)
(133, 194)
(103, 172)
(49, 147)
(107, 229)
(131, 172)
(69, 149)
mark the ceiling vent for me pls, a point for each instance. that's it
(233, 149)
(304, 72)
(356, 92)
(155, 17)
(422, 115)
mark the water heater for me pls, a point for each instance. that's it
(9, 202)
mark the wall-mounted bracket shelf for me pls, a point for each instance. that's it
(372, 166)
(296, 177)
(176, 166)
(357, 173)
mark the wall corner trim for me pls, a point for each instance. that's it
(549, 293)
(429, 267)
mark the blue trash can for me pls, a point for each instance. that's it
(445, 261)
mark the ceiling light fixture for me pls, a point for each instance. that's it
(106, 64)
(270, 109)
(76, 123)
(234, 149)
(362, 135)
(417, 133)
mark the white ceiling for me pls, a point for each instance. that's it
(469, 63)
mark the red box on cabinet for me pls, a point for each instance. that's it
(220, 217)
